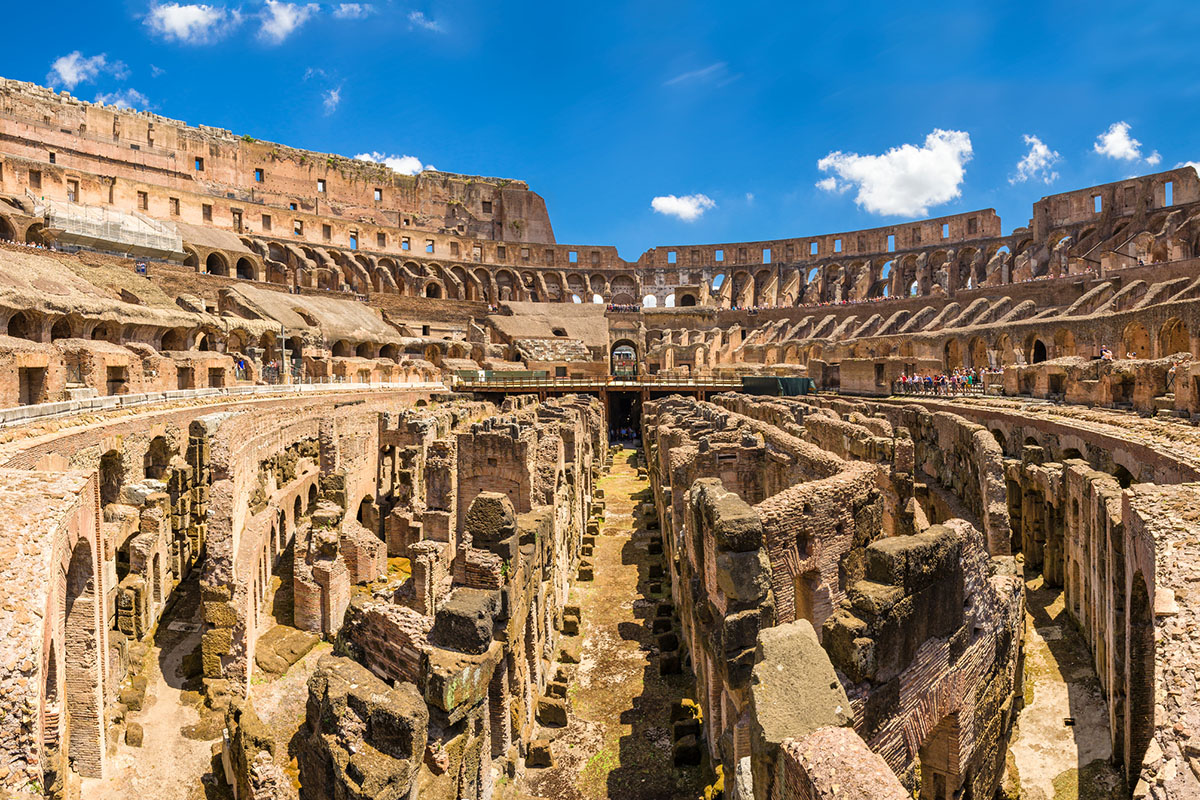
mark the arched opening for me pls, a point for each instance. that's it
(365, 350)
(624, 359)
(1001, 439)
(1038, 353)
(110, 477)
(913, 288)
(342, 349)
(191, 258)
(36, 235)
(174, 339)
(61, 330)
(204, 343)
(576, 299)
(245, 269)
(312, 499)
(1136, 341)
(952, 355)
(433, 291)
(597, 298)
(85, 713)
(1070, 453)
(390, 351)
(1124, 477)
(1173, 338)
(106, 332)
(216, 264)
(158, 458)
(21, 326)
(649, 301)
(6, 230)
(687, 300)
(670, 302)
(1141, 692)
(51, 729)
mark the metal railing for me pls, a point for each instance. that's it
(599, 382)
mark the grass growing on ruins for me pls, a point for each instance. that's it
(618, 741)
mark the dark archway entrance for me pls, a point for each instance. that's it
(624, 360)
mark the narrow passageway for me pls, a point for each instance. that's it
(176, 748)
(1055, 760)
(618, 742)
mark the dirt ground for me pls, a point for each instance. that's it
(1053, 760)
(617, 743)
(177, 750)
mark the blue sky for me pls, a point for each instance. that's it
(748, 120)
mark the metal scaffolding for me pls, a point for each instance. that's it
(100, 228)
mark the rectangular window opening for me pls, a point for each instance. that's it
(487, 206)
(379, 195)
(320, 185)
(353, 240)
(766, 255)
(35, 178)
(1169, 193)
(143, 201)
(814, 248)
(1097, 203)
(258, 176)
(327, 232)
(199, 164)
(266, 222)
(298, 227)
(573, 257)
(502, 253)
(719, 255)
(670, 256)
(837, 245)
(945, 230)
(174, 205)
(891, 246)
(206, 211)
(381, 240)
(72, 191)
(404, 245)
(429, 245)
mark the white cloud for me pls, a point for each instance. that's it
(405, 165)
(1037, 164)
(157, 72)
(73, 69)
(280, 20)
(332, 99)
(906, 180)
(353, 10)
(688, 208)
(419, 20)
(697, 74)
(124, 98)
(193, 23)
(1117, 143)
(1193, 164)
(749, 197)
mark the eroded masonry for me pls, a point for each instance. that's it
(315, 491)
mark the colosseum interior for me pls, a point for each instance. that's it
(330, 499)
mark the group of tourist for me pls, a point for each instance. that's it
(961, 381)
(624, 434)
(623, 307)
(30, 245)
